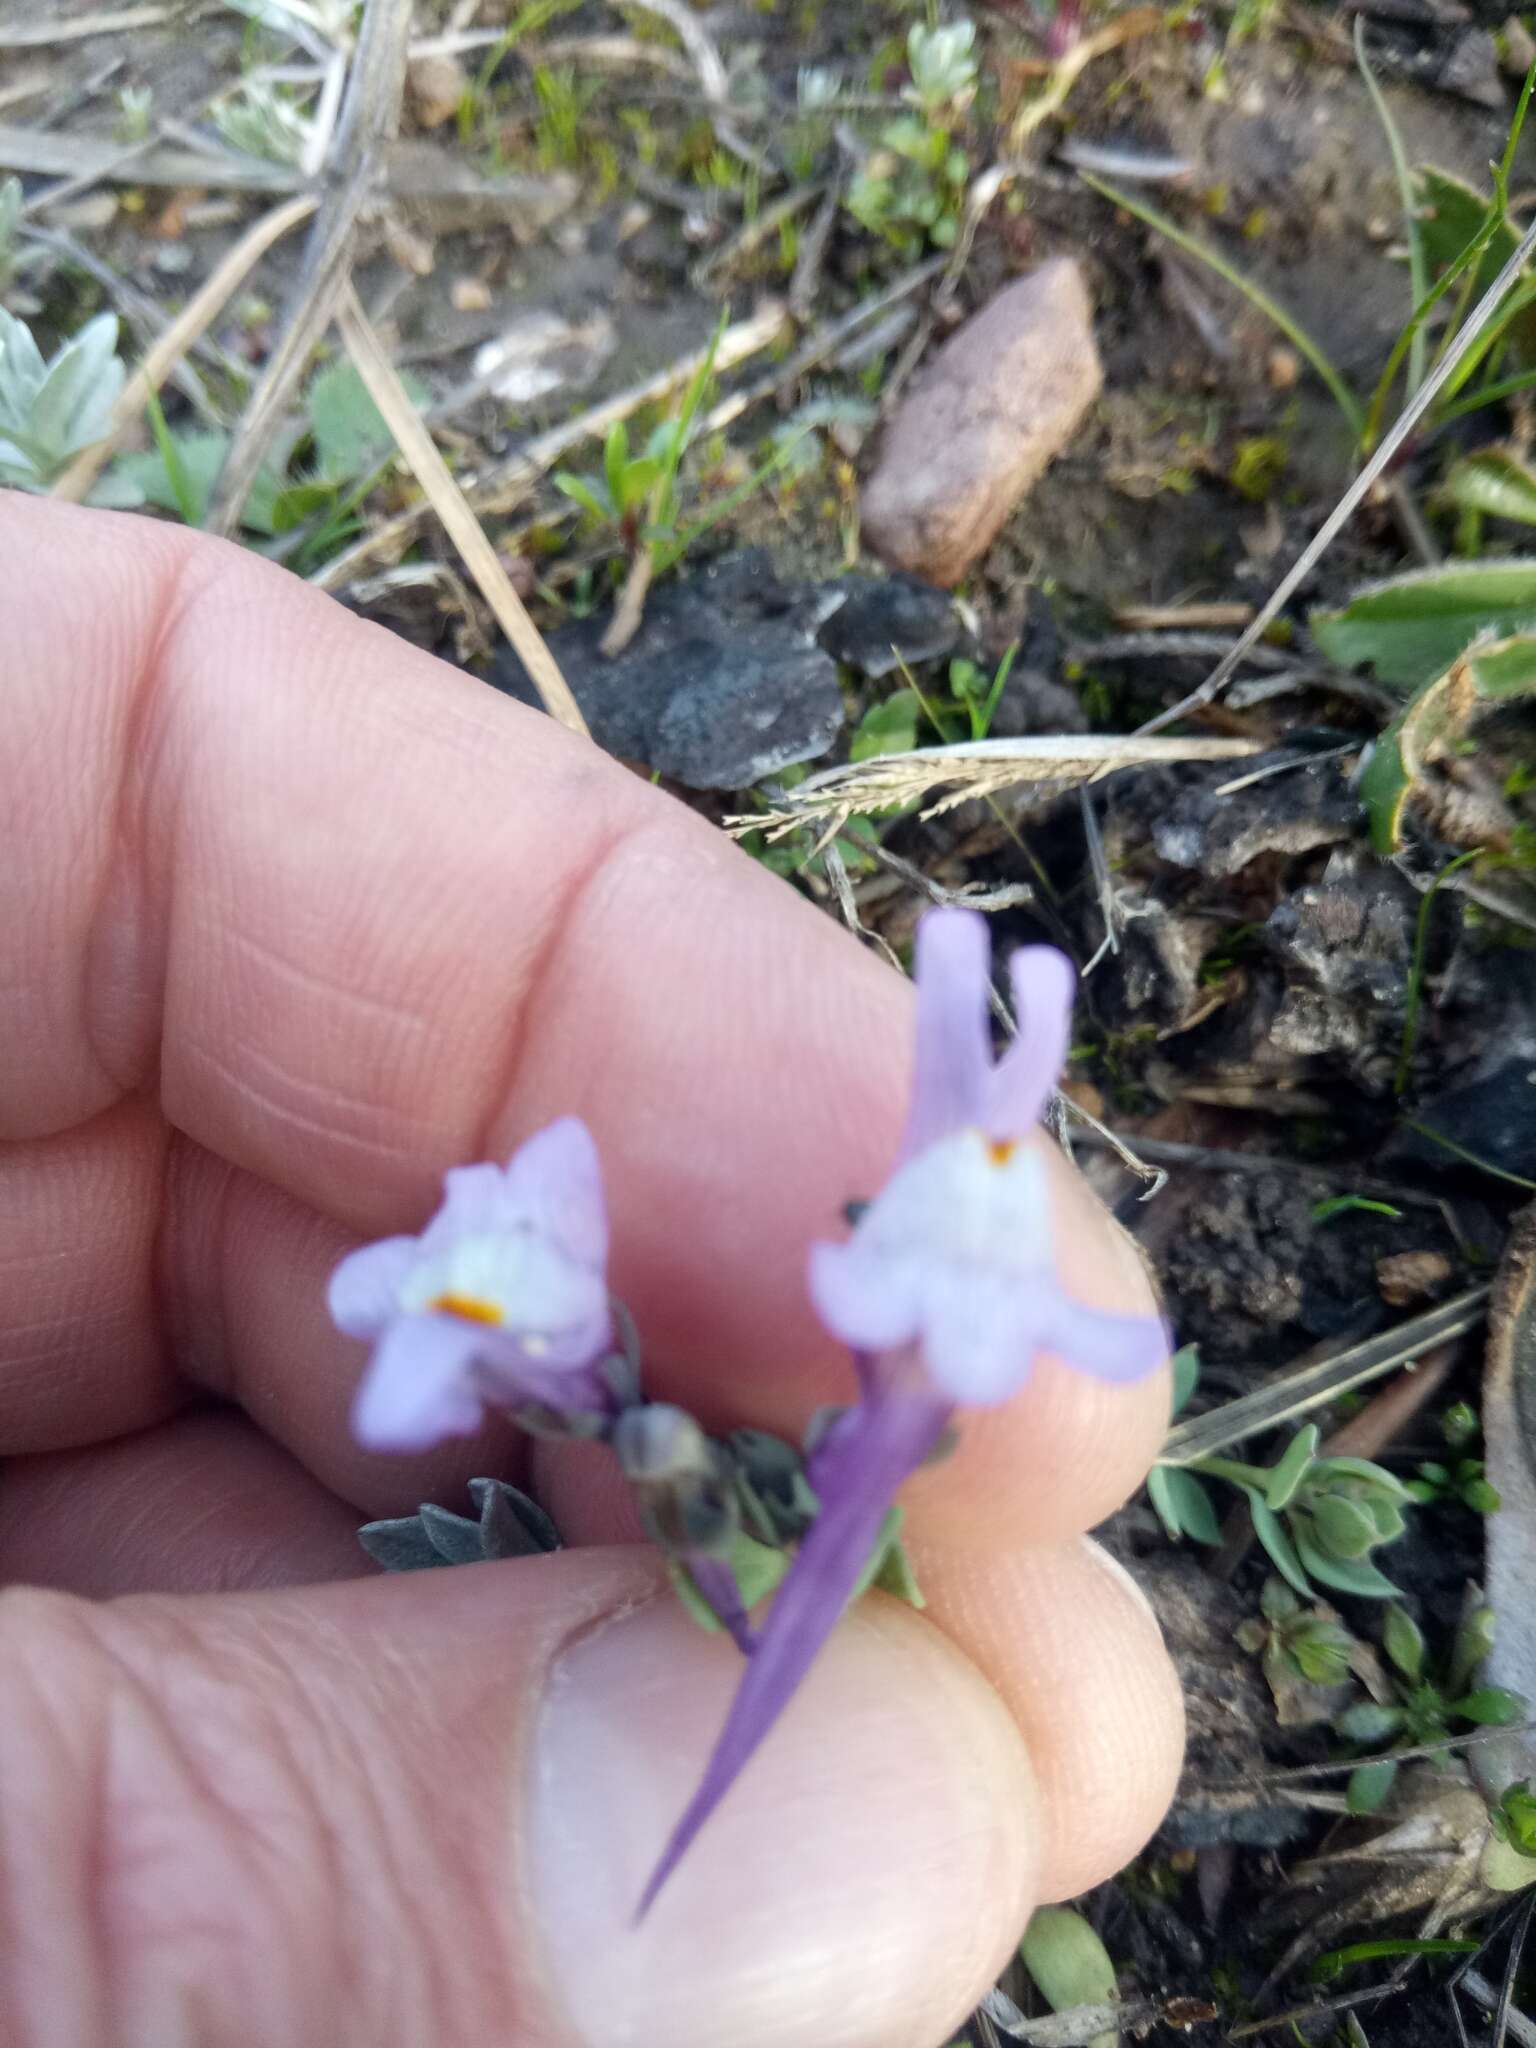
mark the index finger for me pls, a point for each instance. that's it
(358, 919)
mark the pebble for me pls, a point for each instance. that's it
(980, 424)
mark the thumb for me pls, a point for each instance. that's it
(417, 1810)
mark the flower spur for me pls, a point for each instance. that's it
(946, 1292)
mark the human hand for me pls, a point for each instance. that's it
(293, 919)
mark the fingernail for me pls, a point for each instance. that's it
(862, 1883)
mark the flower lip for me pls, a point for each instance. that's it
(468, 1309)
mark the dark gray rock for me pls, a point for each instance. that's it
(723, 684)
(882, 621)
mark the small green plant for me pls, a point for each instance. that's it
(10, 222)
(638, 495)
(1421, 1708)
(1306, 1643)
(1465, 1480)
(1069, 1964)
(50, 410)
(965, 710)
(561, 134)
(305, 502)
(1458, 240)
(1318, 1518)
(261, 119)
(911, 190)
(1513, 1819)
(135, 109)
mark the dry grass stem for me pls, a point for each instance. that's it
(370, 114)
(448, 501)
(977, 768)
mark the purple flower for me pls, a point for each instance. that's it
(946, 1293)
(502, 1301)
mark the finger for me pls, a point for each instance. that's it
(389, 1813)
(378, 921)
(80, 1355)
(201, 1504)
(1072, 1646)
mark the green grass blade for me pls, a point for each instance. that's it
(1255, 294)
(1418, 269)
(182, 487)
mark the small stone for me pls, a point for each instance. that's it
(722, 685)
(1283, 369)
(1404, 1278)
(469, 295)
(885, 621)
(978, 428)
(1519, 48)
(434, 86)
(1471, 71)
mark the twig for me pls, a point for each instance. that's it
(629, 608)
(436, 479)
(1222, 1159)
(1488, 1996)
(1100, 1134)
(714, 80)
(370, 113)
(1348, 504)
(200, 311)
(1103, 881)
(42, 35)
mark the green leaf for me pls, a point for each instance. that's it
(1403, 1641)
(1474, 1640)
(1276, 1600)
(897, 1577)
(1481, 1497)
(1495, 481)
(349, 431)
(1370, 1785)
(1412, 627)
(1334, 1964)
(1439, 714)
(758, 1569)
(1271, 1533)
(1357, 1575)
(1068, 1963)
(579, 489)
(1343, 1528)
(1286, 1478)
(1491, 1706)
(1185, 1368)
(1451, 214)
(1184, 1505)
(1376, 1477)
(1340, 1205)
(1369, 1724)
(889, 727)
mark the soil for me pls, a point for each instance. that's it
(1275, 992)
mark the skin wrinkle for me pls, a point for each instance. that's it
(122, 895)
(566, 920)
(52, 1993)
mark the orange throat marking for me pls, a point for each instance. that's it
(1001, 1150)
(468, 1307)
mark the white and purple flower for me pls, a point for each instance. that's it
(946, 1293)
(502, 1301)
